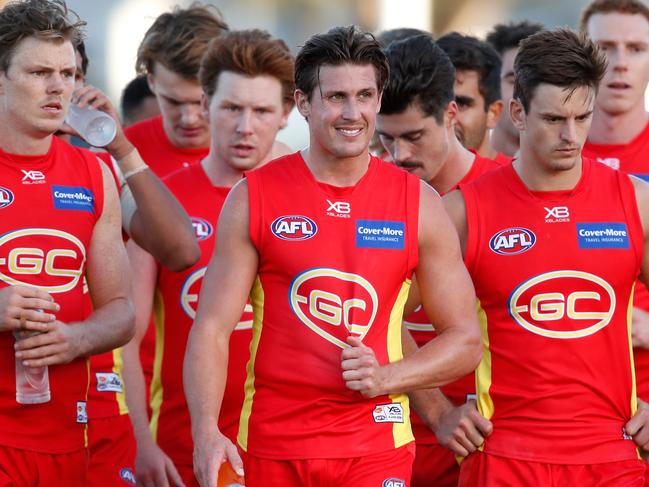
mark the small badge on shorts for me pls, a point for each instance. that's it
(108, 382)
(388, 413)
(82, 412)
(127, 475)
(394, 482)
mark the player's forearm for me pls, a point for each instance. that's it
(452, 354)
(135, 386)
(110, 326)
(204, 375)
(159, 224)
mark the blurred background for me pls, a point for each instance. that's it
(116, 27)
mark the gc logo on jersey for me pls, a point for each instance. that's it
(55, 266)
(202, 228)
(324, 298)
(6, 197)
(294, 227)
(512, 241)
(189, 299)
(563, 304)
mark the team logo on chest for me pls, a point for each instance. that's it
(294, 227)
(512, 241)
(563, 304)
(202, 228)
(6, 197)
(334, 304)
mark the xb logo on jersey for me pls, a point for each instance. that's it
(563, 304)
(340, 209)
(324, 299)
(55, 266)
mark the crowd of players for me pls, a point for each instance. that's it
(338, 304)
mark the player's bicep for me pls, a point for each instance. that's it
(446, 290)
(108, 271)
(642, 198)
(144, 282)
(233, 266)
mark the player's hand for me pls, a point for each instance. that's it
(60, 343)
(211, 450)
(463, 429)
(638, 426)
(154, 468)
(640, 328)
(361, 371)
(24, 308)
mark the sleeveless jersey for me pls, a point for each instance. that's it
(106, 394)
(631, 158)
(554, 274)
(423, 331)
(49, 205)
(164, 158)
(150, 139)
(175, 306)
(332, 262)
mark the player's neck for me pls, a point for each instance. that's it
(617, 129)
(457, 165)
(219, 172)
(13, 142)
(503, 142)
(336, 171)
(537, 176)
(486, 149)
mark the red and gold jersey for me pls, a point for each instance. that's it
(502, 159)
(48, 209)
(632, 158)
(155, 148)
(164, 158)
(175, 306)
(554, 274)
(423, 331)
(333, 262)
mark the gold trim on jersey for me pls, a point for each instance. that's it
(401, 432)
(156, 389)
(257, 301)
(483, 372)
(117, 369)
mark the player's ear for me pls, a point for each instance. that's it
(303, 104)
(450, 114)
(150, 79)
(205, 106)
(494, 112)
(517, 114)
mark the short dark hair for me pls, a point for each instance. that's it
(558, 57)
(81, 49)
(49, 20)
(178, 40)
(250, 53)
(134, 93)
(630, 7)
(469, 53)
(421, 73)
(508, 36)
(340, 45)
(389, 36)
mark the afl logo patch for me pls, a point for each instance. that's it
(202, 228)
(6, 197)
(294, 227)
(512, 241)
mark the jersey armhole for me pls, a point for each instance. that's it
(472, 225)
(255, 211)
(630, 208)
(413, 190)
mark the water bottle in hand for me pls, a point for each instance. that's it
(32, 383)
(94, 126)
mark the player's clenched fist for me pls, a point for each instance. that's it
(463, 429)
(361, 371)
(26, 308)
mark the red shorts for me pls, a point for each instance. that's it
(483, 470)
(434, 465)
(387, 469)
(24, 467)
(186, 473)
(112, 447)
